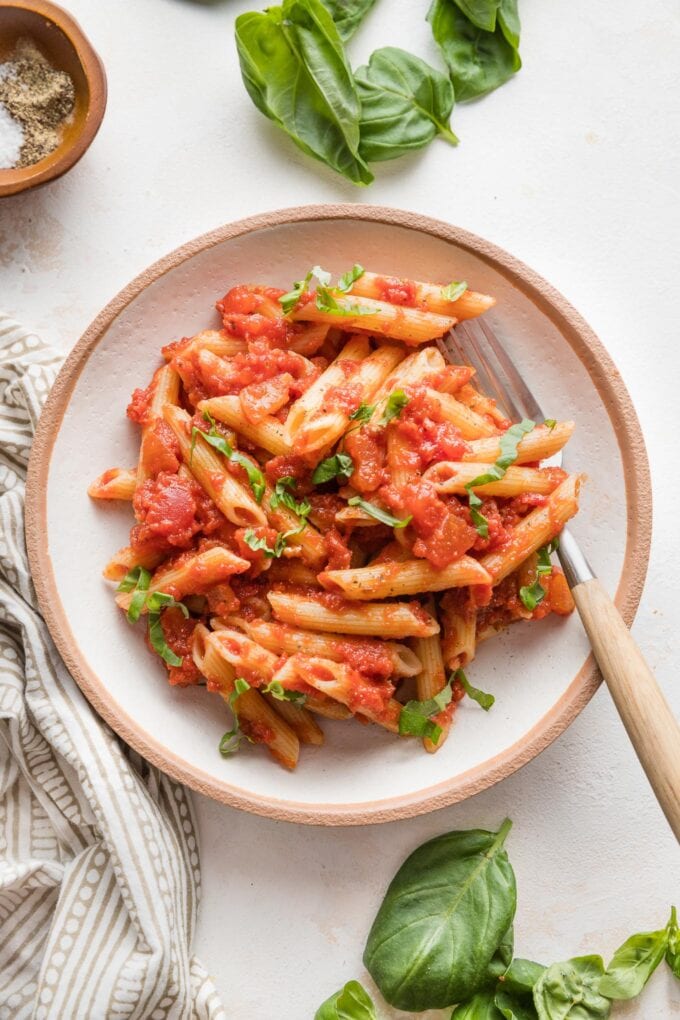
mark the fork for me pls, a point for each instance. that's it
(651, 726)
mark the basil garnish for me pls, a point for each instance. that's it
(416, 716)
(550, 423)
(363, 413)
(138, 580)
(396, 403)
(533, 594)
(339, 465)
(289, 301)
(283, 494)
(508, 443)
(379, 514)
(348, 279)
(281, 693)
(223, 446)
(482, 699)
(231, 741)
(325, 300)
(454, 290)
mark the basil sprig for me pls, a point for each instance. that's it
(454, 290)
(233, 738)
(379, 514)
(416, 719)
(533, 594)
(325, 299)
(283, 494)
(509, 443)
(340, 465)
(137, 581)
(481, 697)
(281, 693)
(396, 402)
(363, 413)
(215, 438)
(258, 544)
(351, 1003)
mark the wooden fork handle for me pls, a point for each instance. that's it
(651, 726)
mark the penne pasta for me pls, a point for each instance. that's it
(127, 559)
(471, 424)
(449, 476)
(432, 679)
(165, 392)
(410, 325)
(116, 483)
(267, 433)
(539, 444)
(192, 574)
(348, 360)
(426, 295)
(385, 580)
(390, 619)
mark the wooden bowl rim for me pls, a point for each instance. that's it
(14, 181)
(621, 412)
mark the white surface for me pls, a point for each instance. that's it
(574, 167)
(528, 669)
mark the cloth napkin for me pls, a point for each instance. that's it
(99, 867)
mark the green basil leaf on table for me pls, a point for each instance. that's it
(570, 991)
(673, 951)
(480, 1007)
(405, 103)
(377, 512)
(348, 15)
(521, 976)
(351, 1003)
(508, 19)
(481, 13)
(502, 958)
(484, 700)
(294, 68)
(633, 964)
(511, 1008)
(431, 942)
(339, 465)
(478, 61)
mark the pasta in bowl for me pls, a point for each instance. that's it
(329, 517)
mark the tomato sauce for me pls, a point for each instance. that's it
(228, 376)
(140, 403)
(171, 510)
(161, 449)
(397, 292)
(443, 533)
(325, 506)
(257, 557)
(367, 447)
(288, 466)
(339, 555)
(368, 658)
(421, 425)
(261, 399)
(345, 399)
(178, 633)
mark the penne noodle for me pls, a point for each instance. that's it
(428, 296)
(214, 340)
(534, 530)
(284, 640)
(256, 717)
(432, 679)
(310, 339)
(116, 483)
(342, 683)
(451, 476)
(539, 444)
(471, 424)
(389, 619)
(410, 325)
(459, 631)
(483, 405)
(327, 707)
(192, 575)
(355, 350)
(400, 461)
(299, 719)
(246, 656)
(165, 391)
(325, 426)
(268, 433)
(308, 540)
(205, 464)
(127, 559)
(356, 517)
(410, 372)
(384, 580)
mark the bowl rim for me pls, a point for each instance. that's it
(15, 180)
(619, 407)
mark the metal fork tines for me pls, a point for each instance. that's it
(474, 343)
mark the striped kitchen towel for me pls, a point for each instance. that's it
(99, 869)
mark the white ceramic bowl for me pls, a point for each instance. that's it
(541, 674)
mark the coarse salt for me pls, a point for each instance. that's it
(11, 139)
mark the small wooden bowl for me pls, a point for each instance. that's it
(62, 41)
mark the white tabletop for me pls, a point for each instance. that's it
(574, 167)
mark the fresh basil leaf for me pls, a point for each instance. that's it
(282, 494)
(137, 603)
(379, 514)
(158, 600)
(348, 15)
(158, 642)
(570, 991)
(673, 951)
(511, 1008)
(478, 61)
(138, 577)
(480, 1007)
(396, 402)
(454, 290)
(233, 738)
(532, 595)
(290, 300)
(633, 964)
(550, 423)
(322, 275)
(339, 465)
(521, 976)
(294, 68)
(508, 20)
(481, 13)
(281, 693)
(509, 443)
(351, 1003)
(325, 302)
(348, 279)
(258, 544)
(502, 958)
(405, 103)
(479, 521)
(215, 439)
(443, 917)
(363, 413)
(484, 700)
(415, 718)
